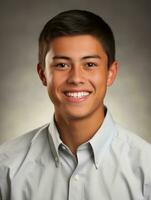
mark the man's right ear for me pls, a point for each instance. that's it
(41, 74)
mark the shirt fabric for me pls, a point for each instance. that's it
(114, 164)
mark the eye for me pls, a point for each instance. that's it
(90, 64)
(61, 65)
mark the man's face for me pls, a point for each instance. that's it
(76, 75)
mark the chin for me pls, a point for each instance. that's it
(78, 114)
(76, 117)
(74, 114)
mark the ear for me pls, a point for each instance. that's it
(112, 72)
(41, 74)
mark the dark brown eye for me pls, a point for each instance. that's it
(61, 65)
(90, 64)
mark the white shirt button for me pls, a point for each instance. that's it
(56, 159)
(76, 177)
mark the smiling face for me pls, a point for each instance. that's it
(76, 75)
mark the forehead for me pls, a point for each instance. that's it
(76, 46)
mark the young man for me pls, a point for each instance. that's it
(82, 154)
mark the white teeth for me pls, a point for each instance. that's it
(77, 94)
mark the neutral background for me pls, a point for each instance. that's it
(24, 104)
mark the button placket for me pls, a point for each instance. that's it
(75, 187)
(76, 183)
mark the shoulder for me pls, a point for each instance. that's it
(13, 152)
(134, 150)
(131, 139)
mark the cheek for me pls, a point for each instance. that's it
(55, 82)
(52, 86)
(99, 79)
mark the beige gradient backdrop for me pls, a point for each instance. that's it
(23, 100)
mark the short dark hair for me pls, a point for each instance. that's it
(77, 22)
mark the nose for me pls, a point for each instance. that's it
(76, 76)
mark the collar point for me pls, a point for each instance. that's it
(97, 165)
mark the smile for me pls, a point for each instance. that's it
(77, 94)
(77, 97)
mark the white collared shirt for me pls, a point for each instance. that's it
(114, 164)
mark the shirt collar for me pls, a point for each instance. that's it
(54, 140)
(101, 141)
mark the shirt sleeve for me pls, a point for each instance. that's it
(147, 172)
(0, 196)
(147, 192)
(4, 183)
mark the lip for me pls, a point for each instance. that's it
(77, 90)
(72, 99)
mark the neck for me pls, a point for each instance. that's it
(74, 132)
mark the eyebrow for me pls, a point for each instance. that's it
(83, 58)
(91, 56)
